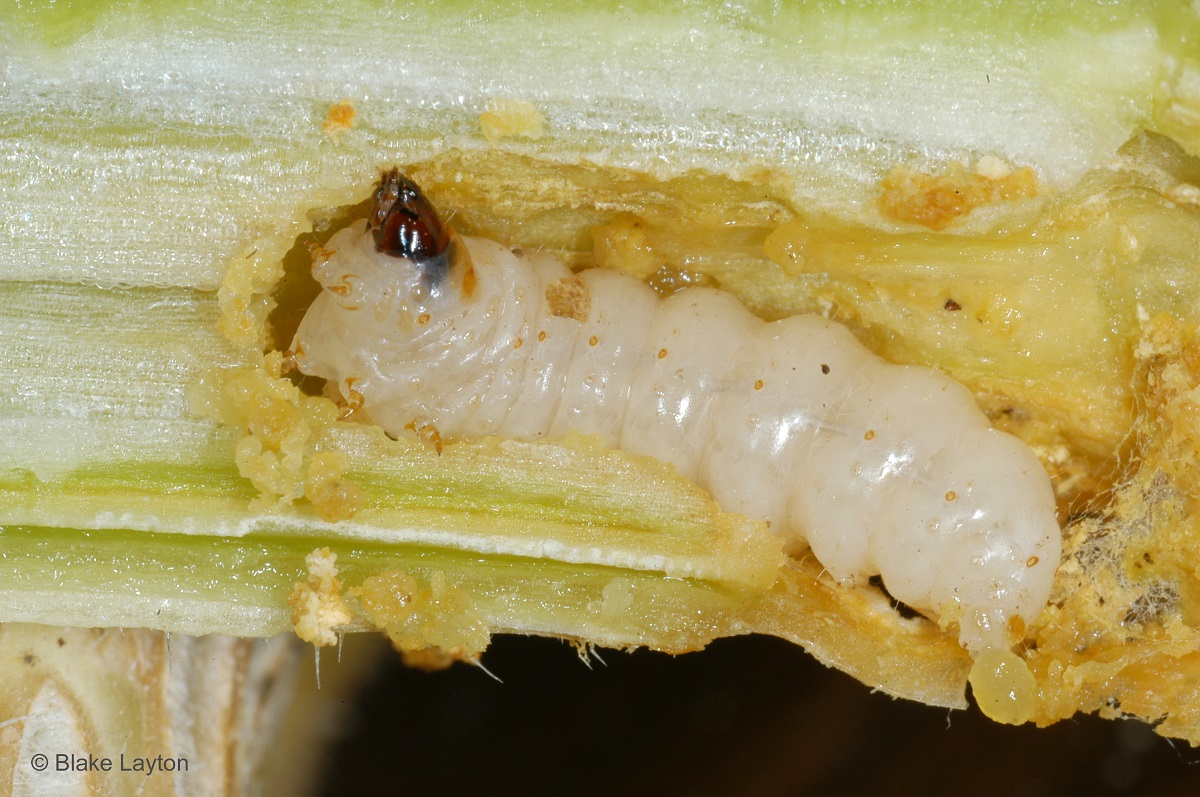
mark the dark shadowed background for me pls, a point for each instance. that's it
(748, 716)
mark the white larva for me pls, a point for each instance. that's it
(879, 468)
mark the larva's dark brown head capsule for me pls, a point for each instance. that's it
(404, 224)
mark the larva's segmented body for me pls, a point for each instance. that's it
(880, 468)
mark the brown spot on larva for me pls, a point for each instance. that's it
(952, 305)
(870, 435)
(542, 335)
(824, 368)
(423, 318)
(468, 282)
(1031, 561)
(520, 342)
(61, 642)
(518, 252)
(951, 495)
(29, 659)
(339, 117)
(662, 353)
(568, 298)
(593, 340)
(758, 384)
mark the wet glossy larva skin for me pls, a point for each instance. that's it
(881, 469)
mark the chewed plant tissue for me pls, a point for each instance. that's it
(880, 469)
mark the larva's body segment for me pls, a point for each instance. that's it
(881, 469)
(608, 350)
(788, 388)
(691, 340)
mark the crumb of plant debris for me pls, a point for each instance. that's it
(431, 615)
(568, 298)
(318, 609)
(332, 495)
(506, 118)
(935, 200)
(339, 117)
